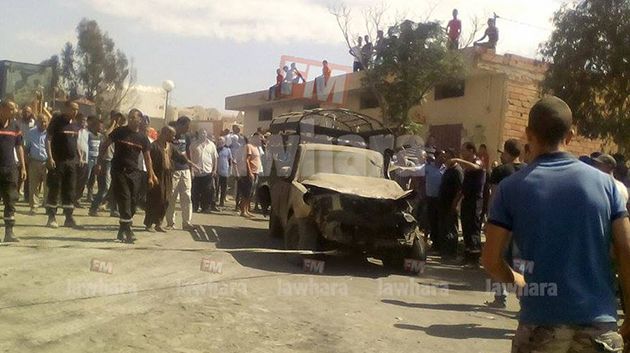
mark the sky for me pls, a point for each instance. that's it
(216, 48)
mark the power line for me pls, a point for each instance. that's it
(523, 23)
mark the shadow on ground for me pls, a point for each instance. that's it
(461, 331)
(252, 247)
(468, 308)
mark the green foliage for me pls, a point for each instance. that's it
(95, 68)
(590, 66)
(414, 59)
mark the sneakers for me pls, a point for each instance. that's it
(169, 227)
(150, 229)
(52, 222)
(160, 229)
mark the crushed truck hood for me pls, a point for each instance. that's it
(368, 187)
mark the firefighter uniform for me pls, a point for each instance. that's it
(10, 138)
(62, 180)
(126, 175)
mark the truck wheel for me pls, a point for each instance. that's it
(300, 235)
(393, 258)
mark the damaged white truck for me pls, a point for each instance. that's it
(337, 197)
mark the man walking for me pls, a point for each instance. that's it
(37, 157)
(182, 181)
(564, 227)
(129, 144)
(10, 144)
(204, 154)
(224, 166)
(63, 156)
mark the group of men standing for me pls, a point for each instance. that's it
(131, 164)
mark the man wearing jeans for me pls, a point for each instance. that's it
(182, 181)
(35, 150)
(565, 217)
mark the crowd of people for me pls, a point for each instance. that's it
(121, 166)
(456, 190)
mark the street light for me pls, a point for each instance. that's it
(168, 86)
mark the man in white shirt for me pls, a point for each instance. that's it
(607, 164)
(25, 124)
(82, 169)
(356, 53)
(203, 153)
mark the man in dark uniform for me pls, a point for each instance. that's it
(472, 202)
(450, 190)
(10, 140)
(126, 176)
(63, 157)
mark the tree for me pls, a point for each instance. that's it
(590, 67)
(95, 68)
(412, 59)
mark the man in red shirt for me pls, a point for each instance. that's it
(454, 30)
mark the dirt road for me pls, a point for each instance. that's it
(164, 294)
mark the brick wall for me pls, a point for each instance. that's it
(522, 91)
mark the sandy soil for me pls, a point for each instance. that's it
(157, 298)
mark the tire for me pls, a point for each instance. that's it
(394, 258)
(300, 235)
(275, 227)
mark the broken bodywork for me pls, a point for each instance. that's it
(360, 211)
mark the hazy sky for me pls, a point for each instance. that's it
(215, 48)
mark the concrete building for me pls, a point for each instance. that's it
(489, 106)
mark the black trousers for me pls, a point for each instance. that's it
(125, 185)
(9, 193)
(142, 190)
(448, 229)
(202, 193)
(223, 181)
(433, 221)
(471, 209)
(82, 179)
(61, 182)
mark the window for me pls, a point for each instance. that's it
(265, 114)
(450, 90)
(368, 101)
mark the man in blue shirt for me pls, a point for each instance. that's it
(433, 171)
(37, 156)
(564, 217)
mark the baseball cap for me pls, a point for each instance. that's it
(513, 147)
(607, 160)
